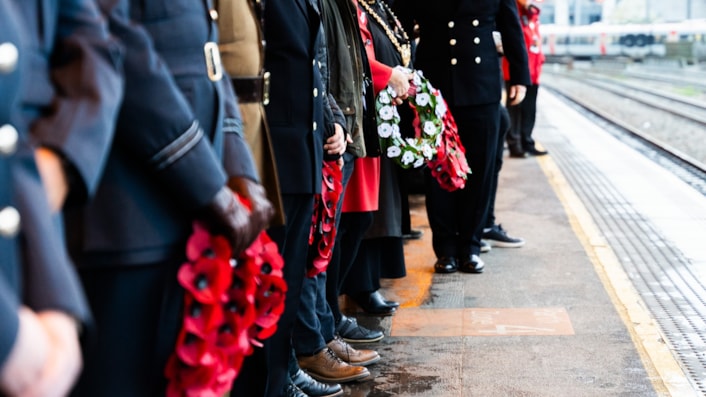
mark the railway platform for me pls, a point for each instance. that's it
(606, 298)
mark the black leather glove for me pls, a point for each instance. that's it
(261, 209)
(227, 216)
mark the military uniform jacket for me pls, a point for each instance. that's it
(37, 272)
(295, 111)
(456, 51)
(176, 122)
(73, 86)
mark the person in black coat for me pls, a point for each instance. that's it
(177, 156)
(457, 53)
(41, 302)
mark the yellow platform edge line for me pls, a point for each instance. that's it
(666, 375)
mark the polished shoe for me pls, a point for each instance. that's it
(326, 366)
(445, 265)
(352, 356)
(536, 152)
(474, 264)
(374, 303)
(314, 388)
(349, 330)
(518, 154)
(293, 391)
(413, 234)
(496, 236)
(485, 246)
(394, 304)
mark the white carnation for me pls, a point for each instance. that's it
(429, 128)
(427, 151)
(386, 113)
(422, 99)
(396, 131)
(407, 158)
(384, 130)
(440, 109)
(419, 163)
(393, 151)
(384, 97)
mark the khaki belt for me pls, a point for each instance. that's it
(252, 89)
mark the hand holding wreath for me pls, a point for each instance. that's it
(436, 142)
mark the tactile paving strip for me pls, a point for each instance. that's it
(662, 275)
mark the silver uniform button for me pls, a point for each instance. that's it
(9, 222)
(475, 22)
(316, 92)
(8, 57)
(476, 40)
(454, 61)
(477, 59)
(315, 125)
(452, 42)
(8, 139)
(214, 14)
(451, 24)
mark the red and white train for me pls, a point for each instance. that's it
(686, 40)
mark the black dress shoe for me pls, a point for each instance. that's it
(349, 330)
(518, 154)
(314, 388)
(472, 264)
(373, 303)
(413, 234)
(445, 265)
(537, 152)
(293, 391)
(394, 304)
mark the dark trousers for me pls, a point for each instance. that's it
(266, 372)
(350, 234)
(522, 119)
(503, 128)
(457, 218)
(316, 324)
(137, 314)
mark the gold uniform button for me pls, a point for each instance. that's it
(452, 41)
(314, 125)
(476, 40)
(9, 222)
(451, 24)
(8, 139)
(316, 92)
(454, 61)
(477, 59)
(8, 57)
(214, 14)
(475, 22)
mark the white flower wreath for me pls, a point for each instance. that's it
(429, 106)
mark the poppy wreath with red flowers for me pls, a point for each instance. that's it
(323, 227)
(436, 142)
(229, 307)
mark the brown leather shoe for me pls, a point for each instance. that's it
(325, 366)
(352, 356)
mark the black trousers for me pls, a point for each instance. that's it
(266, 371)
(137, 314)
(457, 218)
(498, 164)
(522, 120)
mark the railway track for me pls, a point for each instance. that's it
(668, 130)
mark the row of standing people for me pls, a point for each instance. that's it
(137, 134)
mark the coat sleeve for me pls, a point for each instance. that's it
(514, 47)
(237, 158)
(157, 126)
(80, 120)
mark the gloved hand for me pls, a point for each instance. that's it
(261, 210)
(227, 216)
